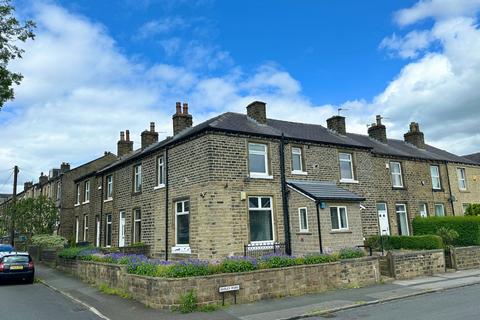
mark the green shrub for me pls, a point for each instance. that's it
(351, 253)
(237, 264)
(426, 242)
(319, 258)
(473, 210)
(467, 227)
(279, 261)
(190, 268)
(188, 302)
(448, 236)
(72, 252)
(146, 269)
(49, 241)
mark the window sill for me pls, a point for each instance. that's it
(300, 173)
(399, 188)
(437, 190)
(260, 176)
(185, 249)
(160, 186)
(108, 200)
(348, 181)
(86, 202)
(136, 193)
(464, 191)
(76, 204)
(340, 231)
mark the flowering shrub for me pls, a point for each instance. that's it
(186, 268)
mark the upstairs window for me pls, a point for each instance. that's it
(396, 173)
(435, 174)
(87, 191)
(346, 166)
(297, 160)
(258, 159)
(462, 179)
(78, 194)
(160, 172)
(137, 178)
(339, 219)
(109, 192)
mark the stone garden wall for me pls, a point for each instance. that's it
(465, 257)
(412, 264)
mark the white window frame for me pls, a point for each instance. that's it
(340, 228)
(265, 157)
(77, 230)
(107, 224)
(299, 152)
(137, 178)
(462, 179)
(97, 231)
(436, 177)
(423, 207)
(85, 227)
(160, 172)
(266, 242)
(135, 220)
(59, 190)
(300, 219)
(406, 215)
(443, 209)
(183, 212)
(351, 167)
(78, 194)
(86, 195)
(400, 174)
(109, 191)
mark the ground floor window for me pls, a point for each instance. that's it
(402, 219)
(97, 231)
(423, 210)
(339, 219)
(85, 227)
(260, 216)
(137, 225)
(182, 222)
(108, 230)
(439, 210)
(77, 230)
(303, 219)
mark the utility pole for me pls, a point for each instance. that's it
(14, 199)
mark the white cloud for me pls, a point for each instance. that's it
(409, 46)
(157, 27)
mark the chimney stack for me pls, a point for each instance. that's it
(181, 120)
(415, 136)
(124, 145)
(42, 179)
(337, 124)
(257, 111)
(64, 167)
(378, 131)
(27, 185)
(149, 137)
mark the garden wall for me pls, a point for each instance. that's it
(465, 257)
(412, 264)
(254, 286)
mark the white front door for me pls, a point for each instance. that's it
(121, 232)
(383, 219)
(97, 239)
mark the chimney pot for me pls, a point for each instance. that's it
(127, 134)
(178, 107)
(124, 145)
(181, 120)
(185, 108)
(379, 119)
(257, 110)
(377, 130)
(122, 136)
(152, 126)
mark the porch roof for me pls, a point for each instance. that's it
(324, 190)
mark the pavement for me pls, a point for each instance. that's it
(114, 307)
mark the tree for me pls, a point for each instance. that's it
(31, 217)
(11, 31)
(473, 210)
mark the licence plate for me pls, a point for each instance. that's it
(16, 267)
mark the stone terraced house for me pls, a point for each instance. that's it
(237, 181)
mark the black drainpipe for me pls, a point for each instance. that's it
(317, 204)
(450, 188)
(166, 203)
(286, 219)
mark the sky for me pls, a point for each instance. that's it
(99, 67)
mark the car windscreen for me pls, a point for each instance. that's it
(15, 259)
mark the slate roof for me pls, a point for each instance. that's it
(475, 157)
(241, 123)
(400, 148)
(324, 190)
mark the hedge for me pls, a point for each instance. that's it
(468, 228)
(425, 242)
